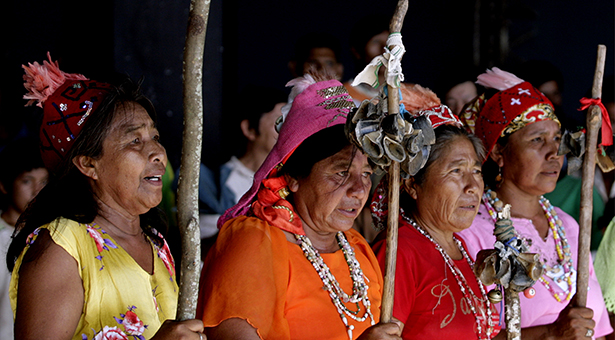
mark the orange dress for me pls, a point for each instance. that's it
(254, 273)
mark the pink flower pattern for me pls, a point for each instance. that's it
(101, 242)
(164, 253)
(111, 333)
(133, 328)
(32, 237)
(132, 324)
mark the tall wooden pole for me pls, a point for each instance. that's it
(394, 177)
(513, 314)
(594, 120)
(187, 193)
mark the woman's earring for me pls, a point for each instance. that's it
(283, 193)
(498, 178)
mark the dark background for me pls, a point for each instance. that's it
(252, 41)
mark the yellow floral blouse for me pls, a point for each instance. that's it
(122, 301)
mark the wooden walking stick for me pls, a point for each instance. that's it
(187, 200)
(394, 176)
(594, 121)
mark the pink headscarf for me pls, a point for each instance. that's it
(317, 106)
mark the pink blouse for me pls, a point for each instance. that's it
(543, 308)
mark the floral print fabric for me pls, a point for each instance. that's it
(122, 300)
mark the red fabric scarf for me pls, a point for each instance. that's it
(272, 208)
(607, 129)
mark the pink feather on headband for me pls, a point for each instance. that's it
(299, 84)
(498, 79)
(41, 81)
(417, 98)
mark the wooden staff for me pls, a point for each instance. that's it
(187, 200)
(513, 314)
(394, 176)
(594, 120)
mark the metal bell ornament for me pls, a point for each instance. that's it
(495, 296)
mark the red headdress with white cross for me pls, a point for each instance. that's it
(67, 100)
(517, 105)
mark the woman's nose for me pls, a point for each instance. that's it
(38, 187)
(358, 187)
(553, 149)
(473, 185)
(158, 153)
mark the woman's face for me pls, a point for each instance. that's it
(332, 196)
(449, 197)
(128, 175)
(529, 161)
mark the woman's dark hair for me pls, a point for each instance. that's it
(21, 156)
(491, 168)
(321, 145)
(69, 194)
(444, 135)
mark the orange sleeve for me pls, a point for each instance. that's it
(245, 276)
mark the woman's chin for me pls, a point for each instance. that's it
(465, 219)
(343, 225)
(546, 188)
(150, 203)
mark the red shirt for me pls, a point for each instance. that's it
(428, 299)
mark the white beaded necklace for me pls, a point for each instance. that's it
(338, 296)
(461, 280)
(564, 260)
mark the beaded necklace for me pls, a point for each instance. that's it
(564, 258)
(338, 296)
(468, 294)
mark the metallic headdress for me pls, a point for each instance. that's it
(405, 137)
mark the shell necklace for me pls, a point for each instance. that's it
(338, 296)
(468, 294)
(562, 273)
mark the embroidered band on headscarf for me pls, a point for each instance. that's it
(536, 113)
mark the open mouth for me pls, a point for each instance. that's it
(349, 212)
(155, 179)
